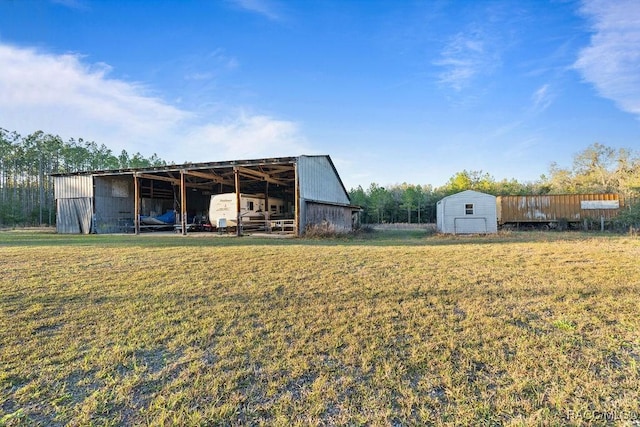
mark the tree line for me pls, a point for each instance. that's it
(596, 169)
(27, 194)
(27, 163)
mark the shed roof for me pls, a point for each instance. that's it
(468, 193)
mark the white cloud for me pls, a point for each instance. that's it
(611, 62)
(72, 4)
(245, 136)
(204, 67)
(463, 58)
(262, 7)
(476, 51)
(220, 59)
(60, 94)
(199, 76)
(541, 98)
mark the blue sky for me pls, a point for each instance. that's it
(394, 91)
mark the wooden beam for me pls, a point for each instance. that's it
(275, 170)
(267, 212)
(262, 175)
(136, 205)
(208, 175)
(176, 181)
(183, 203)
(236, 172)
(158, 178)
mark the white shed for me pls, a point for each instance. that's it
(468, 212)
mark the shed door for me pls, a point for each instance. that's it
(470, 225)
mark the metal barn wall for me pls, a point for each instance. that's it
(551, 208)
(114, 204)
(319, 180)
(73, 187)
(73, 216)
(452, 217)
(74, 203)
(339, 218)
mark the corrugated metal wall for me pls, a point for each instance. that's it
(318, 180)
(553, 207)
(74, 197)
(114, 204)
(73, 216)
(73, 187)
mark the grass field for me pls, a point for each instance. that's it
(394, 328)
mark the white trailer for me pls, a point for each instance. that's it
(223, 211)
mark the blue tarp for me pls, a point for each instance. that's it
(168, 218)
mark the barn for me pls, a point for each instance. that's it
(308, 191)
(467, 212)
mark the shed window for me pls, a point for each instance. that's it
(468, 209)
(249, 205)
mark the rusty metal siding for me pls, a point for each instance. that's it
(554, 207)
(319, 180)
(338, 218)
(73, 187)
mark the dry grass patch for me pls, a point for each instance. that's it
(510, 330)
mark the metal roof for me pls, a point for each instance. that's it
(279, 171)
(191, 166)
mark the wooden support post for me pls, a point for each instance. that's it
(183, 203)
(267, 211)
(236, 173)
(136, 204)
